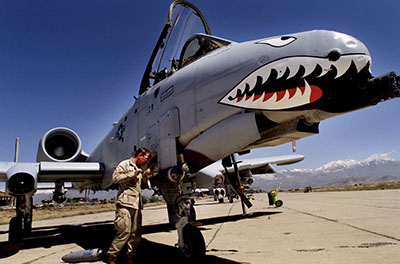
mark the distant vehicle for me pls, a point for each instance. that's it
(273, 197)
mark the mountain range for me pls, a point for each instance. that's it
(378, 168)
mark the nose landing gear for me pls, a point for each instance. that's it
(191, 242)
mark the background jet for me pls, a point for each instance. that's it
(215, 176)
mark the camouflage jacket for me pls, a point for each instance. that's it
(129, 192)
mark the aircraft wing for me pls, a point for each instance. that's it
(205, 177)
(22, 177)
(263, 165)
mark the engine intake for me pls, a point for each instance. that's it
(59, 144)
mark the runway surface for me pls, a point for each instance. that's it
(335, 227)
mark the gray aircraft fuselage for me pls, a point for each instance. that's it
(243, 96)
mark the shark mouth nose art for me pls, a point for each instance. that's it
(293, 81)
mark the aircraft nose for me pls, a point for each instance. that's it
(347, 40)
(334, 55)
(302, 71)
(345, 44)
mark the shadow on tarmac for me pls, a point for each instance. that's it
(100, 235)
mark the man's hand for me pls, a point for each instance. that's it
(147, 172)
(138, 171)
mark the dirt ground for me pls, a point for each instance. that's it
(58, 211)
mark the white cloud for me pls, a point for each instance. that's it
(378, 157)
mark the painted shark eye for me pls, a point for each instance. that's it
(278, 42)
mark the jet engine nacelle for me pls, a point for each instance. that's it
(59, 144)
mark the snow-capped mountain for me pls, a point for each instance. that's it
(376, 166)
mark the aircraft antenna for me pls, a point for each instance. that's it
(16, 157)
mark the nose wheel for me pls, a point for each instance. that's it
(194, 243)
(191, 242)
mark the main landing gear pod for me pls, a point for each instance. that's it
(22, 184)
(21, 224)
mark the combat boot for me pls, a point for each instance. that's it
(131, 259)
(111, 259)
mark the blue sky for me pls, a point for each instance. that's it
(79, 63)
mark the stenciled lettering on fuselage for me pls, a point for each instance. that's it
(167, 93)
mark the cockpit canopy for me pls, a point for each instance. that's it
(184, 38)
(197, 46)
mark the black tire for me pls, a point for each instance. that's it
(279, 203)
(221, 200)
(194, 241)
(15, 231)
(192, 217)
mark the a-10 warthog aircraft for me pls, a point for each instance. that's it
(204, 98)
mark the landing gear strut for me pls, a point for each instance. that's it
(182, 213)
(234, 179)
(21, 224)
(177, 192)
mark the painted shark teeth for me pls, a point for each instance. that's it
(245, 96)
(283, 99)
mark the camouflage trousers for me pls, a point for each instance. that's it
(128, 224)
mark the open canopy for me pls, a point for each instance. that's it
(183, 23)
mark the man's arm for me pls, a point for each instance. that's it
(124, 173)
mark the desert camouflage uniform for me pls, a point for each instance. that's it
(128, 215)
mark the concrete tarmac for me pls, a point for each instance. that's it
(335, 227)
